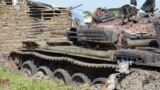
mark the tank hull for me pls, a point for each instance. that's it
(91, 64)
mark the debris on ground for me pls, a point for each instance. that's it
(4, 82)
(140, 80)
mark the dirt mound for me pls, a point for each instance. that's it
(140, 80)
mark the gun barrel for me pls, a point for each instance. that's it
(139, 43)
(77, 6)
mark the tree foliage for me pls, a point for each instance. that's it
(87, 13)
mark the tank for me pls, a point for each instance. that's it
(92, 52)
(116, 30)
(147, 56)
(142, 56)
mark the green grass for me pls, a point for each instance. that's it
(19, 82)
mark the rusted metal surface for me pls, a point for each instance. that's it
(146, 56)
(102, 15)
(134, 28)
(157, 28)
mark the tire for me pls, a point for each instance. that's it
(79, 79)
(46, 71)
(29, 68)
(61, 75)
(98, 83)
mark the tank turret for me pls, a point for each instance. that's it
(119, 31)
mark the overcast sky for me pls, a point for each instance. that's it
(91, 5)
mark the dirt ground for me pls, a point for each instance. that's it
(3, 61)
(140, 80)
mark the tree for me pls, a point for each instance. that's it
(87, 13)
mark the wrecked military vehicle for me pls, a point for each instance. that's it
(91, 54)
(110, 30)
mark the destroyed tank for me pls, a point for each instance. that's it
(116, 31)
(142, 56)
(64, 62)
(89, 57)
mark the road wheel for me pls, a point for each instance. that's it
(79, 79)
(44, 71)
(28, 68)
(61, 75)
(18, 62)
(98, 83)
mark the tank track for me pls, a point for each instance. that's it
(80, 65)
(66, 59)
(89, 70)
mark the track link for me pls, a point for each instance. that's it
(65, 59)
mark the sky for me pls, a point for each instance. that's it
(91, 5)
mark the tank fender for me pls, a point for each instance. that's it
(144, 56)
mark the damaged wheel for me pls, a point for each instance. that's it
(79, 79)
(18, 62)
(28, 68)
(44, 72)
(61, 75)
(98, 83)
